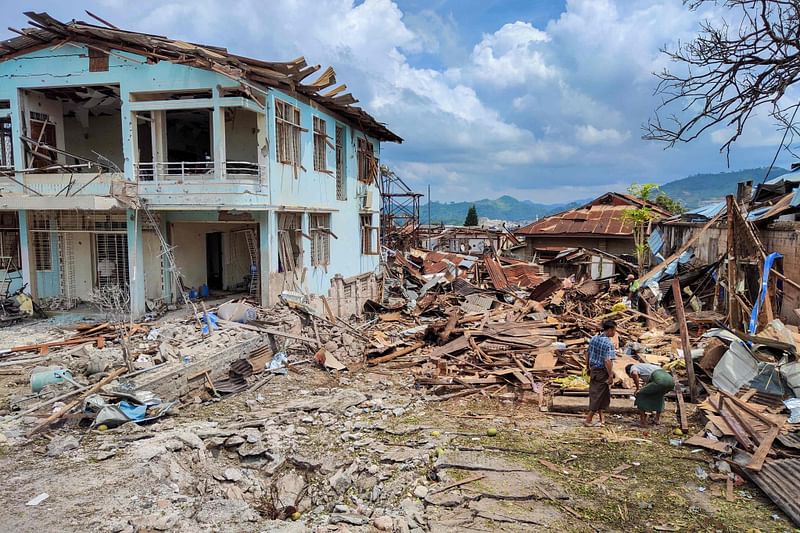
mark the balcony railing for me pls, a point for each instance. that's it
(180, 171)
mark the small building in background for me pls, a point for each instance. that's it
(599, 225)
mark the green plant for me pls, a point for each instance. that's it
(640, 218)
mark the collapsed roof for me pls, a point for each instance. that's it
(46, 31)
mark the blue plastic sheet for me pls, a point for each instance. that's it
(132, 410)
(212, 318)
(763, 292)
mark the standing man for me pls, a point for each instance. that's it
(599, 361)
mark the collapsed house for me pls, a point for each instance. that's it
(739, 235)
(165, 168)
(598, 224)
(466, 239)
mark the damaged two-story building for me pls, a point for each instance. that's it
(160, 167)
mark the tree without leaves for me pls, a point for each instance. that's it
(731, 70)
(472, 217)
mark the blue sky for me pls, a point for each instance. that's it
(540, 99)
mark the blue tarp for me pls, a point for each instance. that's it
(655, 242)
(770, 259)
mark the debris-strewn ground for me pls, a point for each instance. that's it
(366, 452)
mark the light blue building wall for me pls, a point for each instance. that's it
(278, 187)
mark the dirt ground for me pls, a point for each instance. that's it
(361, 452)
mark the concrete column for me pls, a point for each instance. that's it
(218, 135)
(26, 253)
(128, 138)
(267, 247)
(263, 148)
(17, 119)
(305, 222)
(135, 264)
(166, 272)
(158, 139)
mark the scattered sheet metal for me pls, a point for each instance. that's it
(778, 479)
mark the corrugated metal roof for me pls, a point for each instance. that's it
(523, 275)
(778, 478)
(288, 76)
(601, 216)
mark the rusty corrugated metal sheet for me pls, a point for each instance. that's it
(780, 481)
(523, 275)
(602, 216)
(496, 273)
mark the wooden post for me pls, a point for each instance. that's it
(734, 317)
(685, 344)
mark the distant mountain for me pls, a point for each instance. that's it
(704, 188)
(503, 208)
(692, 192)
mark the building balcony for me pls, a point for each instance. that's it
(200, 172)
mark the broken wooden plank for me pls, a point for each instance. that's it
(684, 420)
(395, 354)
(455, 484)
(685, 343)
(757, 461)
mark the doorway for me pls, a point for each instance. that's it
(214, 261)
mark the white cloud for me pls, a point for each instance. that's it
(588, 134)
(510, 56)
(506, 111)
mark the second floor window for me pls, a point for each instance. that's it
(287, 131)
(367, 164)
(320, 229)
(320, 145)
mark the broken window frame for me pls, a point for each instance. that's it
(10, 240)
(321, 145)
(369, 235)
(6, 143)
(287, 133)
(320, 230)
(98, 60)
(367, 163)
(42, 244)
(290, 234)
(341, 158)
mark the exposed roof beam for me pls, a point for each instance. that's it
(100, 20)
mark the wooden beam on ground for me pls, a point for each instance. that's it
(684, 421)
(757, 461)
(395, 354)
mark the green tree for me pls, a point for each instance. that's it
(472, 217)
(640, 218)
(664, 201)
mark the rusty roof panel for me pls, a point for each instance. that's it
(496, 272)
(778, 478)
(602, 216)
(523, 275)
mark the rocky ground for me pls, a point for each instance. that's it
(363, 454)
(314, 451)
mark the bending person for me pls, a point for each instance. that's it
(650, 397)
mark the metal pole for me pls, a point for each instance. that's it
(429, 207)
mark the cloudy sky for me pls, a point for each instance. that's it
(540, 99)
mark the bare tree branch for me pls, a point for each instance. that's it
(728, 71)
